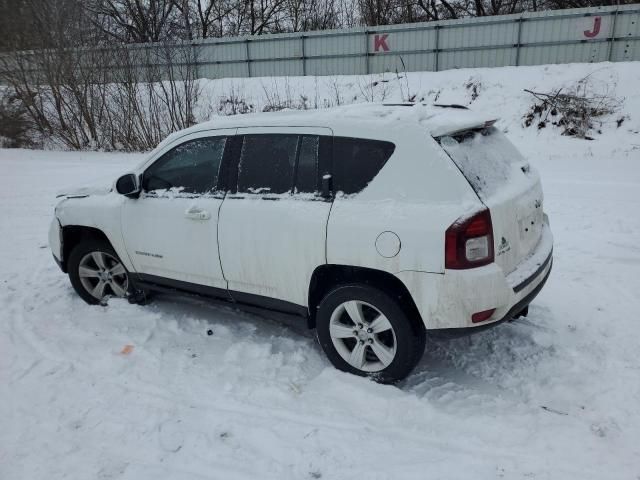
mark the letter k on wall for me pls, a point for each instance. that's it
(380, 43)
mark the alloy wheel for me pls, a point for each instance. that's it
(102, 274)
(363, 336)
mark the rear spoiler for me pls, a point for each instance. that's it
(461, 126)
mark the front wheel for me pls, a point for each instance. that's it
(362, 330)
(96, 272)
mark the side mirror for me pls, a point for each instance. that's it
(327, 185)
(128, 186)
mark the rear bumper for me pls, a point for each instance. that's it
(448, 301)
(542, 268)
(511, 314)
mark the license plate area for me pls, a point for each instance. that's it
(531, 228)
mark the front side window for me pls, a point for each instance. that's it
(267, 163)
(189, 168)
(356, 161)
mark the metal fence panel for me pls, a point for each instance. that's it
(222, 52)
(226, 70)
(337, 65)
(577, 52)
(625, 48)
(495, 57)
(479, 35)
(330, 45)
(626, 51)
(411, 62)
(278, 47)
(273, 68)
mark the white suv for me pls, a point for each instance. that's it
(378, 224)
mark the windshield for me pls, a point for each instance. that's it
(484, 156)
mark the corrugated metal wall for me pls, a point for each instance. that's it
(563, 36)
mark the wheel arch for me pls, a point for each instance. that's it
(73, 235)
(326, 277)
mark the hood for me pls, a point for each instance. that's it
(100, 186)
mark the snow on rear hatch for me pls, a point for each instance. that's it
(506, 184)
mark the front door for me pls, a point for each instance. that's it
(170, 231)
(272, 226)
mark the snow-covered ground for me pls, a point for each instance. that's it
(553, 396)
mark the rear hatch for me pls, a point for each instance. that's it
(505, 183)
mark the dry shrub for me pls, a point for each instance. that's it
(578, 110)
(234, 103)
(116, 98)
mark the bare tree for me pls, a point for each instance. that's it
(378, 12)
(306, 15)
(205, 18)
(82, 95)
(136, 21)
(14, 21)
(435, 11)
(151, 94)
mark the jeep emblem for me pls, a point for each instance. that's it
(504, 246)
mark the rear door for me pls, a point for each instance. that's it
(170, 231)
(506, 184)
(272, 226)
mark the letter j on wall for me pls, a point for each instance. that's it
(595, 30)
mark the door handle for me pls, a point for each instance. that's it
(196, 213)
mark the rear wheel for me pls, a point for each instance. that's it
(96, 272)
(364, 331)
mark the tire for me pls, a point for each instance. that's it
(92, 262)
(386, 351)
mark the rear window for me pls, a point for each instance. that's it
(484, 156)
(356, 161)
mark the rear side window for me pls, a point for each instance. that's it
(356, 161)
(192, 167)
(267, 163)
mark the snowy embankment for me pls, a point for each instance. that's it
(553, 396)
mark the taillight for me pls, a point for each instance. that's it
(469, 242)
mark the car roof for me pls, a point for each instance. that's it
(437, 120)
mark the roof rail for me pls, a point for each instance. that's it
(451, 105)
(405, 104)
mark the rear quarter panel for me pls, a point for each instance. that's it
(416, 195)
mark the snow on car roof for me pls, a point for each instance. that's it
(438, 120)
